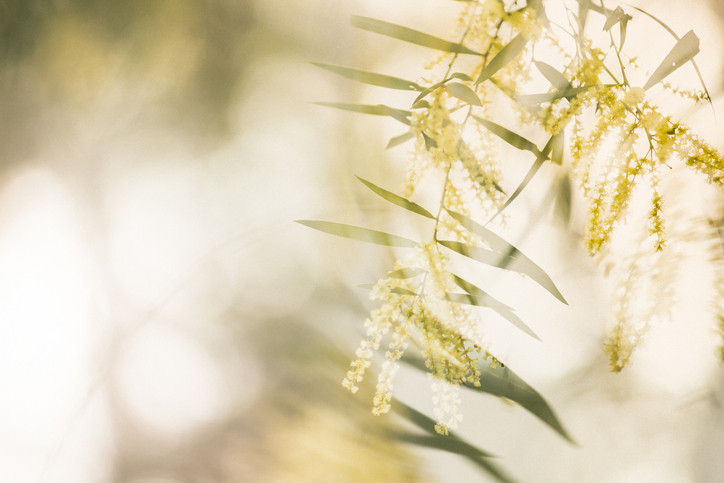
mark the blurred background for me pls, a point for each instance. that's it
(162, 319)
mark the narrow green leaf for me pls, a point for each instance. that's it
(693, 62)
(455, 446)
(494, 241)
(396, 199)
(684, 50)
(532, 171)
(515, 140)
(406, 273)
(503, 382)
(553, 75)
(559, 145)
(359, 233)
(418, 100)
(442, 443)
(371, 78)
(376, 110)
(429, 142)
(616, 16)
(563, 199)
(509, 315)
(397, 140)
(477, 296)
(464, 93)
(531, 99)
(514, 261)
(502, 58)
(500, 246)
(408, 35)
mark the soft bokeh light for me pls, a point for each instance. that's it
(162, 319)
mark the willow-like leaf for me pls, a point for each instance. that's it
(464, 93)
(506, 312)
(502, 58)
(515, 140)
(429, 142)
(693, 62)
(494, 241)
(539, 160)
(563, 199)
(504, 249)
(376, 110)
(359, 233)
(397, 140)
(531, 99)
(559, 145)
(513, 261)
(458, 75)
(479, 297)
(372, 78)
(455, 446)
(396, 199)
(503, 382)
(406, 273)
(408, 35)
(684, 50)
(553, 75)
(617, 16)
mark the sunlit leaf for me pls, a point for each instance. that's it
(616, 16)
(684, 50)
(531, 99)
(515, 140)
(371, 78)
(396, 199)
(508, 313)
(514, 261)
(464, 93)
(376, 110)
(533, 170)
(563, 199)
(408, 35)
(509, 253)
(477, 296)
(558, 147)
(402, 138)
(555, 77)
(502, 58)
(503, 382)
(359, 233)
(693, 62)
(429, 142)
(494, 241)
(450, 443)
(406, 273)
(455, 446)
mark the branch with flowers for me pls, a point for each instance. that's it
(502, 48)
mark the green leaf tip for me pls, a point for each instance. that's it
(502, 58)
(515, 140)
(375, 110)
(464, 93)
(371, 78)
(396, 199)
(408, 35)
(359, 233)
(684, 50)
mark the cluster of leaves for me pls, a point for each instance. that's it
(450, 122)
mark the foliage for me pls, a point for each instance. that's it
(503, 48)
